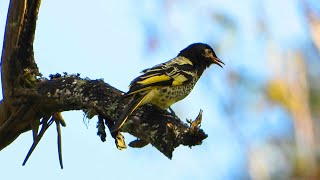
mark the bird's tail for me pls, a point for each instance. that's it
(137, 101)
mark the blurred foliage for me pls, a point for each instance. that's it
(278, 91)
(277, 69)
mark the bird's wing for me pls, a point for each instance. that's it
(175, 72)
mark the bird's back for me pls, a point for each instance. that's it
(176, 72)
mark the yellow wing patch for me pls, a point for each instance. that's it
(154, 79)
(178, 80)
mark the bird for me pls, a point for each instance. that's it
(169, 82)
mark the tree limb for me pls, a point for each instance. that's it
(18, 67)
(160, 128)
(28, 98)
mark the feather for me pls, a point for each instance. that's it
(175, 72)
(127, 112)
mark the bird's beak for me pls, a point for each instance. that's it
(217, 61)
(214, 59)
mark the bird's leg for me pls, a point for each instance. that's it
(173, 113)
(45, 125)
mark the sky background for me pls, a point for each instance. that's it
(115, 40)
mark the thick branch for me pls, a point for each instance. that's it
(18, 67)
(17, 53)
(160, 128)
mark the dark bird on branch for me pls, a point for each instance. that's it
(169, 82)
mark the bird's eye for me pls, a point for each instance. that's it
(207, 53)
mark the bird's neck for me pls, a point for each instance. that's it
(200, 71)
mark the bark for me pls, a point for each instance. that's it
(30, 100)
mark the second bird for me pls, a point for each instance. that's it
(169, 82)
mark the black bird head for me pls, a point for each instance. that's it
(201, 55)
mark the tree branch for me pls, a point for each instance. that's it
(28, 99)
(18, 67)
(160, 128)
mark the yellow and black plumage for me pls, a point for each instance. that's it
(169, 82)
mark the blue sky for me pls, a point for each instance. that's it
(107, 39)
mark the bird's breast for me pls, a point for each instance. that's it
(165, 96)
